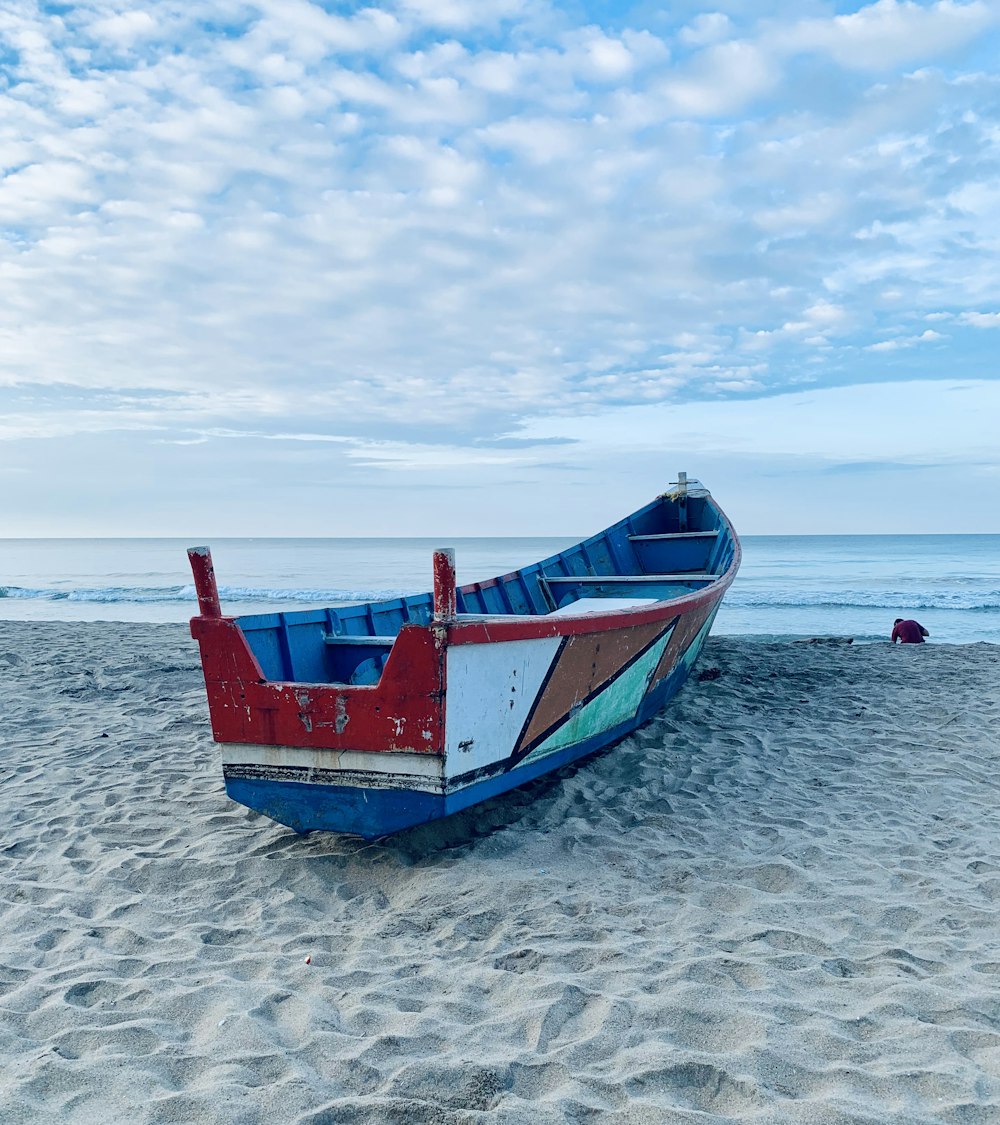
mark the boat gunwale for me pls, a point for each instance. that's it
(486, 628)
(495, 629)
(479, 628)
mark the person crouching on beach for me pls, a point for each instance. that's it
(908, 632)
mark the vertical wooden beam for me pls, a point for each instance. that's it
(200, 559)
(682, 502)
(444, 584)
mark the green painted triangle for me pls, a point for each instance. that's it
(617, 702)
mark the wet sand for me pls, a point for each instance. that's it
(777, 902)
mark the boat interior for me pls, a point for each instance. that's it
(675, 545)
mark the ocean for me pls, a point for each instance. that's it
(789, 585)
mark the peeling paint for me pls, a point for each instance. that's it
(341, 718)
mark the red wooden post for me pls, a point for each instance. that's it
(200, 559)
(444, 584)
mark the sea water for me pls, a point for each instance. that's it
(841, 585)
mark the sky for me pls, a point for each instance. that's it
(497, 267)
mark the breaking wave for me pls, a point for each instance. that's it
(745, 597)
(912, 599)
(148, 595)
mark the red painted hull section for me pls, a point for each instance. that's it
(403, 712)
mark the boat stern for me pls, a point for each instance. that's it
(294, 750)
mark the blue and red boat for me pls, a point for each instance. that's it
(367, 719)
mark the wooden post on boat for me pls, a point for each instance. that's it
(445, 600)
(200, 559)
(682, 502)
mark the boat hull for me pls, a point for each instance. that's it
(368, 719)
(373, 795)
(371, 813)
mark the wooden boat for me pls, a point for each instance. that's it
(367, 719)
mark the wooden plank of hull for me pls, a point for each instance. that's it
(492, 689)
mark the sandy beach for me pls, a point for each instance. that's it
(777, 902)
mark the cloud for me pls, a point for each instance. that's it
(890, 33)
(605, 59)
(927, 337)
(980, 319)
(306, 33)
(723, 80)
(460, 15)
(124, 28)
(920, 422)
(708, 27)
(423, 222)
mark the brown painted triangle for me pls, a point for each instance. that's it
(685, 632)
(584, 664)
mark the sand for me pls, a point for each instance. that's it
(777, 902)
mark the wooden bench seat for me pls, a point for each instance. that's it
(608, 579)
(337, 639)
(675, 535)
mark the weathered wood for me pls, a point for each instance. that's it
(445, 599)
(609, 579)
(205, 586)
(334, 639)
(675, 535)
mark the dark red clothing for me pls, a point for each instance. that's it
(909, 633)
